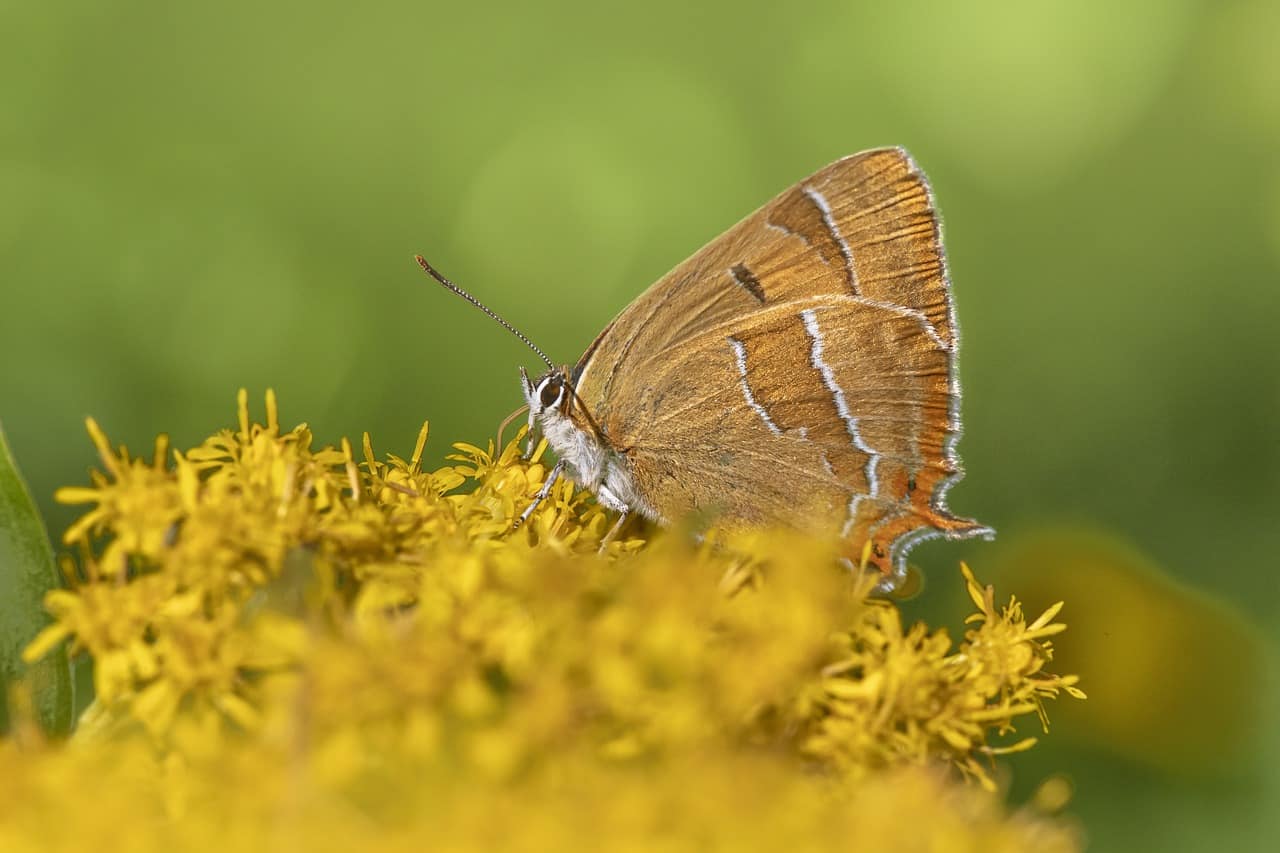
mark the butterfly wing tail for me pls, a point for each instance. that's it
(893, 535)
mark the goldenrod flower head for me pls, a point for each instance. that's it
(264, 615)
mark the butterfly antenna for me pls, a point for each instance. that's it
(430, 270)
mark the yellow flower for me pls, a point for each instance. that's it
(905, 695)
(293, 627)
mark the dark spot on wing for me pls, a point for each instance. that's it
(747, 280)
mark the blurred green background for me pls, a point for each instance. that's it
(202, 197)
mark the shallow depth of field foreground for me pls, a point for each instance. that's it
(333, 649)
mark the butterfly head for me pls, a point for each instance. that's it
(549, 394)
(555, 409)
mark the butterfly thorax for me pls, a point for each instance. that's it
(571, 432)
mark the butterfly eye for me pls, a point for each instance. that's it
(550, 394)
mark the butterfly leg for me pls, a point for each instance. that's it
(531, 436)
(611, 501)
(613, 531)
(542, 494)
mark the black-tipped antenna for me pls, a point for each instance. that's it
(430, 270)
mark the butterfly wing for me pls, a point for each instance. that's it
(818, 332)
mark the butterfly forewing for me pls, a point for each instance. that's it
(818, 333)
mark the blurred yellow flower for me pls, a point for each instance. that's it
(289, 640)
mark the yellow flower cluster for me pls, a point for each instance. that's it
(362, 655)
(112, 800)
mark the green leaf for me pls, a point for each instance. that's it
(27, 572)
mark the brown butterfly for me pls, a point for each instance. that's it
(799, 370)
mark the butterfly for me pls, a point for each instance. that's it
(798, 370)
